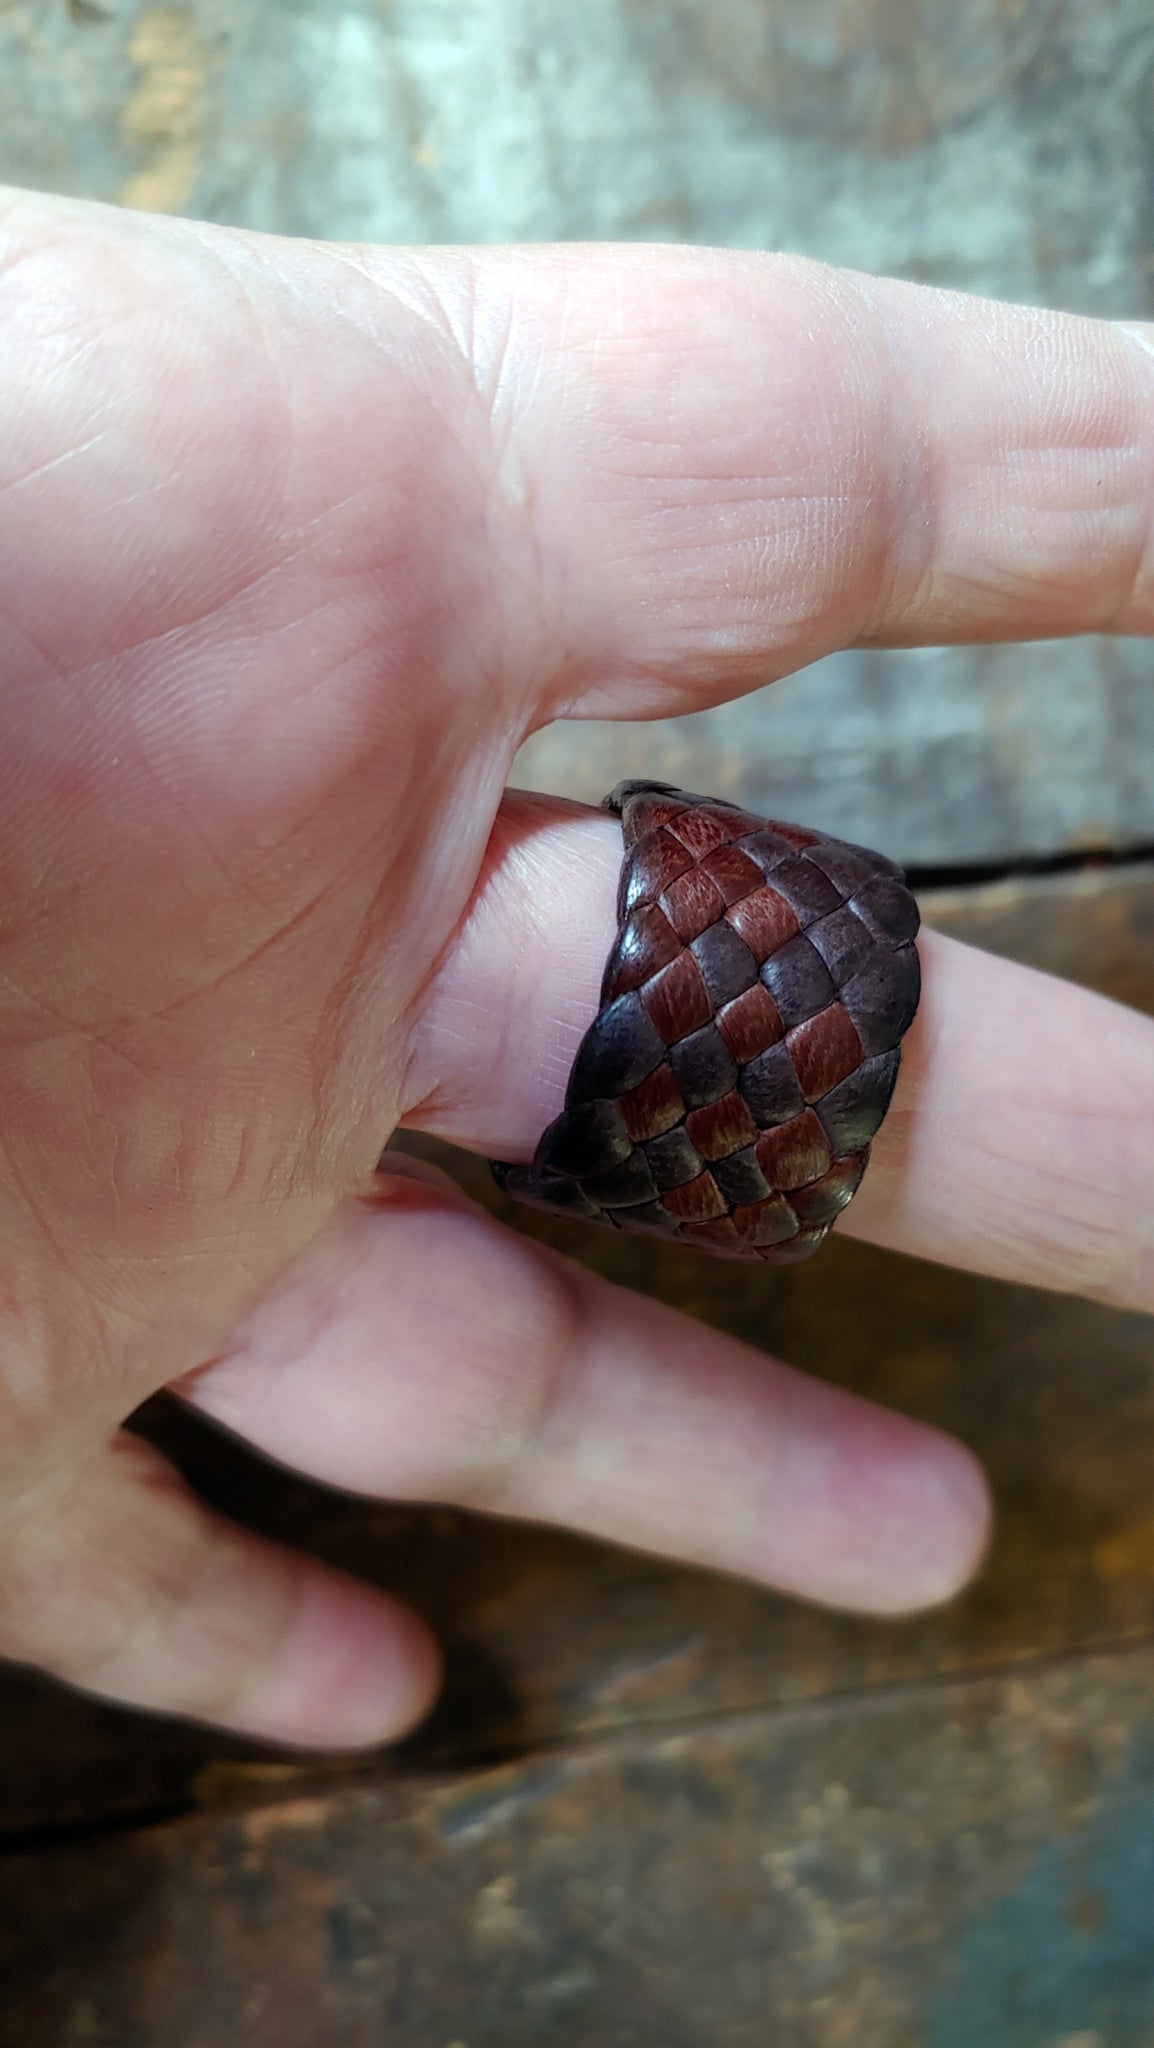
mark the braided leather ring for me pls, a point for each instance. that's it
(749, 1034)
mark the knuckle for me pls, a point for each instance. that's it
(535, 1348)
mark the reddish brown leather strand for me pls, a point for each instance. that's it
(749, 1034)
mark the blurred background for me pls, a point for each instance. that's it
(657, 1807)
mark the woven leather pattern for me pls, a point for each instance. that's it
(749, 1034)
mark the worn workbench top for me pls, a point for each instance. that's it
(656, 1806)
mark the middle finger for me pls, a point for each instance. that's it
(1018, 1141)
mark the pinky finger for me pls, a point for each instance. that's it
(132, 1589)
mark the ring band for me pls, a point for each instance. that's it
(749, 1035)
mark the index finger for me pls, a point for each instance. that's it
(715, 467)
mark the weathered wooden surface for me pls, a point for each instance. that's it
(721, 1817)
(942, 756)
(964, 1866)
(552, 1638)
(992, 146)
(998, 147)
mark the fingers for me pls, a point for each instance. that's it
(503, 1019)
(419, 1350)
(1021, 1138)
(736, 463)
(127, 1587)
(1020, 1141)
(608, 481)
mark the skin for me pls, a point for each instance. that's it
(298, 543)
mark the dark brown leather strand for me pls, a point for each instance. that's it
(749, 1035)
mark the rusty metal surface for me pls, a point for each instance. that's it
(550, 1637)
(965, 1866)
(997, 147)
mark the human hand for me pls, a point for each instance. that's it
(297, 544)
